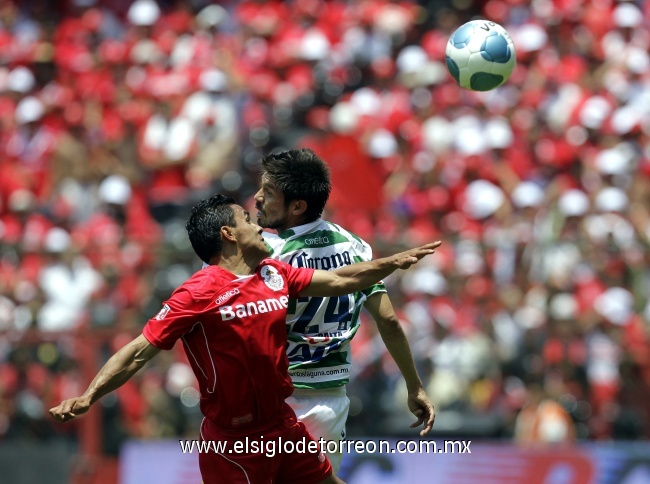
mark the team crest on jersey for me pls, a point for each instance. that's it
(272, 278)
(163, 312)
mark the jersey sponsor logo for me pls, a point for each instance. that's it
(317, 240)
(225, 296)
(252, 308)
(301, 259)
(272, 278)
(163, 312)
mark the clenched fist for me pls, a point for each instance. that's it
(71, 408)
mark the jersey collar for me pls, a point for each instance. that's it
(300, 229)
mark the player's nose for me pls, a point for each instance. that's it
(258, 195)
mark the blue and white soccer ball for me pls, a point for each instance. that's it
(480, 55)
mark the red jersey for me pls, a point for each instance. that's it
(233, 331)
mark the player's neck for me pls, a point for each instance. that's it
(239, 264)
(293, 223)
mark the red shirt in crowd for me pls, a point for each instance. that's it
(233, 331)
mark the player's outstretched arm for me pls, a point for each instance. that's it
(117, 370)
(356, 277)
(390, 329)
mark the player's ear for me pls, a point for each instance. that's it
(298, 207)
(228, 234)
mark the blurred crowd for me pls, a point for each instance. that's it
(116, 116)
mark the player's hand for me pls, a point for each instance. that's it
(420, 406)
(71, 408)
(406, 259)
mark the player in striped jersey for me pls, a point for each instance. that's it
(295, 188)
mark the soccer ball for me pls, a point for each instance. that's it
(480, 55)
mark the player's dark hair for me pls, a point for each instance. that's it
(300, 175)
(205, 222)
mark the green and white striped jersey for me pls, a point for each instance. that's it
(320, 329)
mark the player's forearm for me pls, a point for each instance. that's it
(362, 275)
(394, 338)
(119, 369)
(349, 279)
(380, 307)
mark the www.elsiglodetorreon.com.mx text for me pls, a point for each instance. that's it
(276, 446)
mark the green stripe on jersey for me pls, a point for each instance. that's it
(287, 233)
(319, 386)
(314, 240)
(333, 359)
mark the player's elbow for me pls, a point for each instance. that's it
(388, 323)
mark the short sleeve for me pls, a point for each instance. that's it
(379, 287)
(362, 252)
(176, 318)
(297, 278)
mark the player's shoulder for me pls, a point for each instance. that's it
(335, 231)
(342, 230)
(204, 282)
(353, 238)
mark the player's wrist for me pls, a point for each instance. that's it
(395, 261)
(414, 388)
(89, 398)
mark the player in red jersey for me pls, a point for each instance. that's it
(231, 317)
